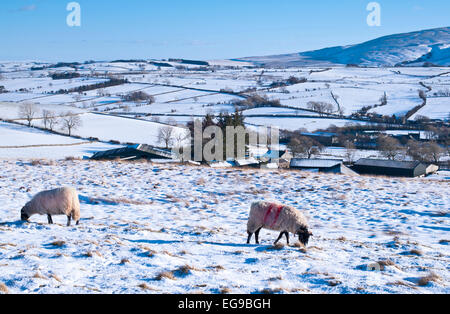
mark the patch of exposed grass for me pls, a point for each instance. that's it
(3, 288)
(225, 291)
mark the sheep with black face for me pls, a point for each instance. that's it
(277, 217)
(62, 201)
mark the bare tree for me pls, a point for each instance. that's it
(350, 152)
(389, 147)
(28, 112)
(304, 146)
(320, 107)
(384, 100)
(425, 152)
(71, 122)
(180, 143)
(165, 136)
(49, 119)
(434, 152)
(46, 114)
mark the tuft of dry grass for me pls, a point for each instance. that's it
(431, 277)
(124, 261)
(92, 253)
(334, 283)
(3, 288)
(401, 283)
(217, 267)
(72, 158)
(384, 263)
(144, 286)
(225, 291)
(42, 162)
(58, 243)
(185, 270)
(416, 252)
(277, 247)
(53, 276)
(39, 276)
(271, 291)
(165, 274)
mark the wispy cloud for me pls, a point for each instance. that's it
(28, 8)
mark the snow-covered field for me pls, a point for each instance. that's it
(183, 89)
(18, 141)
(152, 228)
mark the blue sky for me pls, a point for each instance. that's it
(200, 29)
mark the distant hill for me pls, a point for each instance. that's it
(427, 47)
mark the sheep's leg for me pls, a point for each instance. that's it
(279, 238)
(249, 237)
(257, 235)
(287, 237)
(69, 220)
(78, 222)
(50, 220)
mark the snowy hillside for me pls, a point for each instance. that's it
(409, 48)
(149, 228)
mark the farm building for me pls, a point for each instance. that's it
(133, 153)
(321, 165)
(248, 162)
(390, 168)
(280, 157)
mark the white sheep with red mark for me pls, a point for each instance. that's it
(62, 201)
(277, 217)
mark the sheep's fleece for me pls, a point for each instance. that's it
(62, 201)
(289, 219)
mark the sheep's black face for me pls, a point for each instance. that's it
(23, 215)
(304, 235)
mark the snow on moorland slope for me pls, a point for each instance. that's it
(385, 51)
(173, 229)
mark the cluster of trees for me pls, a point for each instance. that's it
(256, 101)
(65, 75)
(305, 147)
(321, 107)
(430, 151)
(68, 122)
(139, 97)
(85, 88)
(292, 80)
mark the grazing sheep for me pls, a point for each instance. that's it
(277, 217)
(63, 201)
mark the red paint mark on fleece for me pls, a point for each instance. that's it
(277, 214)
